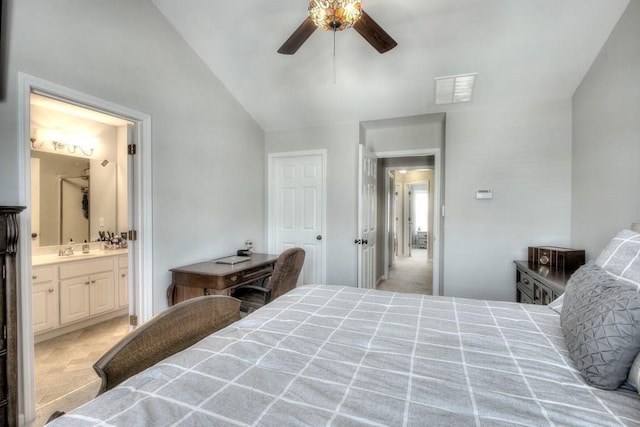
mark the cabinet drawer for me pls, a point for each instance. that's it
(42, 274)
(86, 267)
(525, 284)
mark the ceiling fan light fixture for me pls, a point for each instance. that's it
(335, 15)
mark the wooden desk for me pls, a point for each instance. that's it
(211, 278)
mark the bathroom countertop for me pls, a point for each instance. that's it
(54, 258)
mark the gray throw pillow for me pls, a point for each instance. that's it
(601, 324)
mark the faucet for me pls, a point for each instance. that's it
(69, 249)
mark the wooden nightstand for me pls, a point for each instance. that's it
(537, 284)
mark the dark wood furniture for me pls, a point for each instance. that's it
(211, 278)
(536, 284)
(8, 313)
(165, 334)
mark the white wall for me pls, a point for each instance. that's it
(606, 140)
(341, 143)
(205, 146)
(522, 154)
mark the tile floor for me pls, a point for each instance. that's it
(64, 372)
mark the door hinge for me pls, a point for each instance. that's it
(5, 332)
(133, 320)
(133, 235)
(132, 149)
(4, 272)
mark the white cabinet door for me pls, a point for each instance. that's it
(44, 281)
(101, 293)
(45, 306)
(123, 288)
(74, 299)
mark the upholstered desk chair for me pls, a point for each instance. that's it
(284, 278)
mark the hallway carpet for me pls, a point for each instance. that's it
(412, 274)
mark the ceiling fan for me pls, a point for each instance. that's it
(338, 15)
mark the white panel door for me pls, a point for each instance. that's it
(296, 212)
(367, 201)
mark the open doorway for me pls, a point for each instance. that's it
(409, 227)
(120, 281)
(79, 228)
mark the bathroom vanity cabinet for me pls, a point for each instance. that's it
(70, 294)
(45, 299)
(8, 315)
(87, 288)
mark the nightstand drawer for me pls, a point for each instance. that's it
(539, 285)
(525, 284)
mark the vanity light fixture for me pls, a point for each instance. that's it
(56, 139)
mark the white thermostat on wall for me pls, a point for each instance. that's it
(484, 194)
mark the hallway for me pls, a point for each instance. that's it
(412, 274)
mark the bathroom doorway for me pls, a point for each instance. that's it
(121, 277)
(79, 194)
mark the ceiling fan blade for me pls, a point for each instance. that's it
(299, 36)
(374, 34)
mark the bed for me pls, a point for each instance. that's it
(331, 355)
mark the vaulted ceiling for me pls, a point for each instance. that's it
(524, 51)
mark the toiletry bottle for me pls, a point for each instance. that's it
(85, 247)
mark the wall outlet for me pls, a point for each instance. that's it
(248, 244)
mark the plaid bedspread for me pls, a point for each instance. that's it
(328, 355)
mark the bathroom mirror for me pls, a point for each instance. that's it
(74, 198)
(78, 173)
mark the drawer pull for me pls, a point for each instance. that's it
(34, 277)
(93, 281)
(50, 290)
(123, 275)
(86, 283)
(234, 278)
(525, 280)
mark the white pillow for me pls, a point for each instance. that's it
(621, 257)
(556, 304)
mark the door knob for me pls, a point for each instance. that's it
(357, 241)
(364, 242)
(318, 237)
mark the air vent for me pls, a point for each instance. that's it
(454, 89)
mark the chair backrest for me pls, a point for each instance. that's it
(286, 271)
(165, 334)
